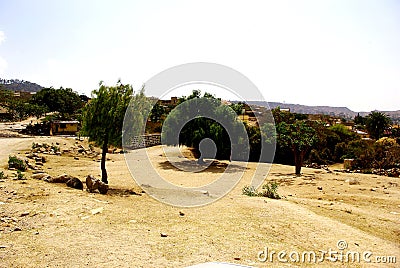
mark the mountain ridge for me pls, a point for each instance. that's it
(19, 85)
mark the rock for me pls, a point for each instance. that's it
(75, 183)
(319, 188)
(23, 214)
(94, 184)
(181, 214)
(76, 158)
(41, 176)
(352, 181)
(60, 179)
(97, 210)
(374, 189)
(163, 235)
(17, 229)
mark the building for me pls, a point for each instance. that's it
(64, 127)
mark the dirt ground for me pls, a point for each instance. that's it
(51, 225)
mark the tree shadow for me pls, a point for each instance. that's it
(215, 167)
(123, 192)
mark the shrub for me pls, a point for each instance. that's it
(270, 190)
(20, 175)
(15, 162)
(249, 191)
(2, 176)
(55, 148)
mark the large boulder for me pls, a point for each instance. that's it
(75, 183)
(94, 184)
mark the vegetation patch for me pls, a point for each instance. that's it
(17, 163)
(269, 190)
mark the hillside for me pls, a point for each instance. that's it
(334, 111)
(19, 85)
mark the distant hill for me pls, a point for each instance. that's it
(333, 111)
(305, 109)
(19, 85)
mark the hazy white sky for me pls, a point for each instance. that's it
(337, 53)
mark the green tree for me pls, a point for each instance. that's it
(192, 114)
(299, 137)
(62, 100)
(377, 123)
(157, 112)
(103, 118)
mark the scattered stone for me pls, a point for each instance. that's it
(60, 179)
(374, 189)
(41, 176)
(97, 210)
(181, 214)
(23, 214)
(133, 221)
(94, 184)
(17, 229)
(3, 246)
(163, 235)
(85, 217)
(319, 188)
(75, 183)
(352, 181)
(76, 158)
(236, 258)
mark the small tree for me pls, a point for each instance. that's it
(299, 137)
(103, 118)
(377, 123)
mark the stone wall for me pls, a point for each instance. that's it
(143, 141)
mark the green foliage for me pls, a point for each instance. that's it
(360, 120)
(55, 148)
(237, 107)
(270, 190)
(20, 175)
(157, 112)
(249, 191)
(62, 100)
(299, 137)
(2, 176)
(376, 124)
(198, 127)
(15, 162)
(103, 116)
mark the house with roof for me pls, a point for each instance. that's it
(60, 127)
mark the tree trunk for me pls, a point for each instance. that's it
(298, 161)
(103, 160)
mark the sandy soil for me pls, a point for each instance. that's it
(50, 225)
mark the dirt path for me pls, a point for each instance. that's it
(13, 146)
(63, 227)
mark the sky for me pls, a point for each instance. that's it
(335, 53)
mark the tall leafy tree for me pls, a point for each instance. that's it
(193, 112)
(377, 123)
(297, 136)
(62, 100)
(103, 118)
